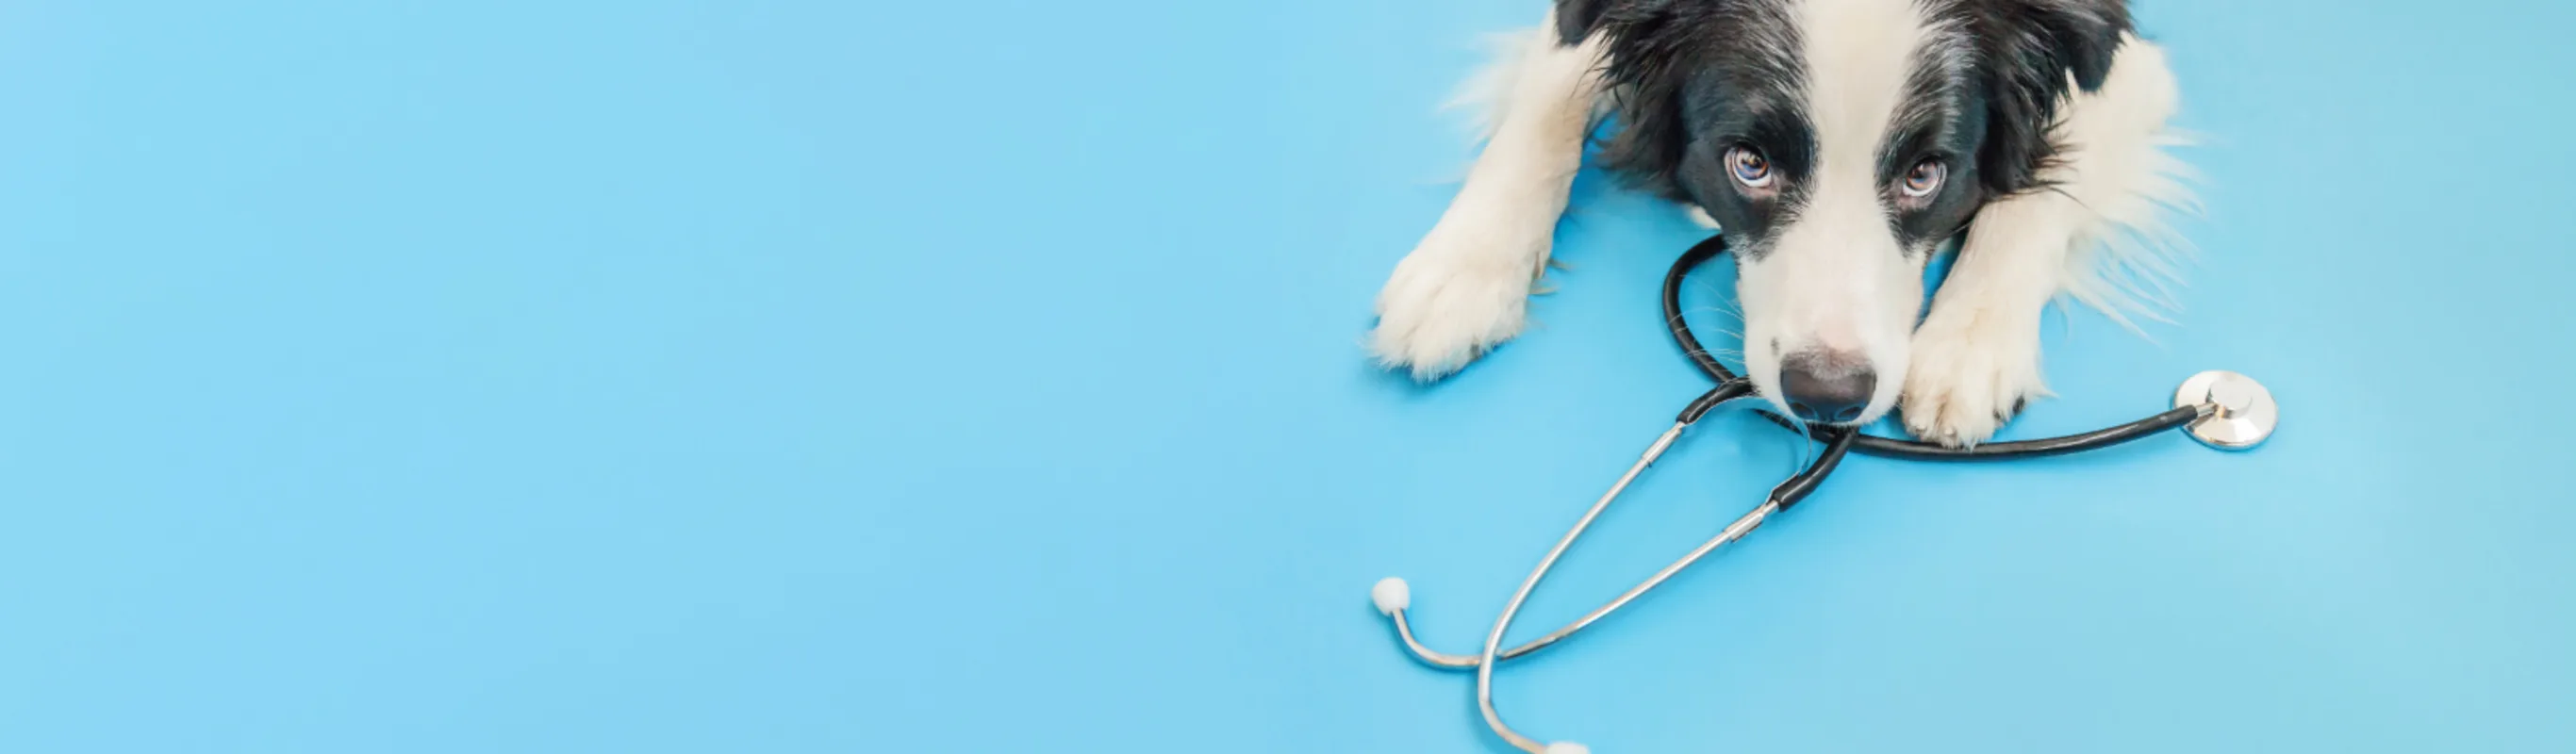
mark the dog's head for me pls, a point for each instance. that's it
(1840, 143)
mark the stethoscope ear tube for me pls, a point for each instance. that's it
(1393, 597)
(1805, 483)
(1709, 401)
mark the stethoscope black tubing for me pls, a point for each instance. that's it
(1840, 439)
(1838, 443)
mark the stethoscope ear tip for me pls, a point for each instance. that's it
(1392, 595)
(1567, 747)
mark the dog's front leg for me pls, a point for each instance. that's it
(1976, 357)
(1466, 287)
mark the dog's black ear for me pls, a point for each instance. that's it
(1578, 19)
(1652, 46)
(2030, 51)
(1575, 19)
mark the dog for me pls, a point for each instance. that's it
(1840, 145)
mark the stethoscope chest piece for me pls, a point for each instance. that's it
(2240, 413)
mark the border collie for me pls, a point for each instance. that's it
(1839, 144)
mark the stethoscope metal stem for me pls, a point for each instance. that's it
(1503, 622)
(1743, 525)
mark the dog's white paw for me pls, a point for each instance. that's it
(1457, 295)
(1971, 372)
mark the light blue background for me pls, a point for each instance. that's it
(983, 377)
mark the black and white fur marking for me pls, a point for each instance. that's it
(1840, 143)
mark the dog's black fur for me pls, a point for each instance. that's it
(1839, 145)
(1694, 78)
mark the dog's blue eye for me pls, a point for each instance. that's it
(1751, 168)
(1925, 179)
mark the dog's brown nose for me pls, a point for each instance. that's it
(1827, 386)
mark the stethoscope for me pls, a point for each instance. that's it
(2223, 410)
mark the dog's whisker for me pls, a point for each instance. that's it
(1736, 334)
(1720, 353)
(1722, 313)
(1719, 300)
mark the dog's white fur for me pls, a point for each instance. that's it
(1833, 278)
(1977, 354)
(1465, 288)
(2097, 237)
